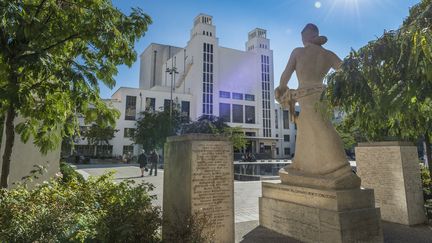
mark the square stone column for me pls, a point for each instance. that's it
(199, 178)
(392, 170)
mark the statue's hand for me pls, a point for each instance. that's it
(279, 92)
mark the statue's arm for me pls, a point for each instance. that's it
(336, 62)
(289, 70)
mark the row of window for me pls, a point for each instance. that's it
(264, 46)
(236, 96)
(287, 151)
(207, 33)
(238, 116)
(265, 79)
(207, 108)
(150, 105)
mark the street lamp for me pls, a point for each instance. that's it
(172, 71)
(140, 111)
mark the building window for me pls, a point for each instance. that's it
(277, 151)
(287, 151)
(224, 94)
(250, 114)
(250, 134)
(129, 132)
(185, 108)
(237, 96)
(285, 119)
(286, 138)
(237, 113)
(167, 104)
(276, 119)
(130, 111)
(150, 104)
(249, 97)
(207, 105)
(265, 83)
(128, 149)
(225, 112)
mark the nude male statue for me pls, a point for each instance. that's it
(320, 160)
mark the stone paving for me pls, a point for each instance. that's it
(246, 196)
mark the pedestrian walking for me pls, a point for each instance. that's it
(142, 160)
(154, 160)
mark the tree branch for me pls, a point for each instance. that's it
(39, 8)
(76, 35)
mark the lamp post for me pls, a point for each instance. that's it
(172, 71)
(140, 111)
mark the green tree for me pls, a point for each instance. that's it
(216, 125)
(53, 55)
(97, 135)
(154, 127)
(385, 86)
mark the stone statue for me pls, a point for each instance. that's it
(320, 160)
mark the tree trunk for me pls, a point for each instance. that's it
(10, 137)
(428, 153)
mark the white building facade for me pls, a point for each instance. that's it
(205, 78)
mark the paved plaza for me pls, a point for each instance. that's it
(246, 196)
(245, 193)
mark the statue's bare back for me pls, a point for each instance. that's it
(320, 160)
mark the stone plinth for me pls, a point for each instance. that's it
(199, 178)
(392, 170)
(319, 215)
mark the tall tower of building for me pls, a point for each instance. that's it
(259, 44)
(203, 46)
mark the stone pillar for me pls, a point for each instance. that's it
(392, 170)
(199, 178)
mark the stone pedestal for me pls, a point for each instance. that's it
(199, 178)
(392, 170)
(320, 215)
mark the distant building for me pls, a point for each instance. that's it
(209, 80)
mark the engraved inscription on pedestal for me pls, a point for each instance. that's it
(207, 178)
(392, 170)
(212, 182)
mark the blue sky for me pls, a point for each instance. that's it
(347, 24)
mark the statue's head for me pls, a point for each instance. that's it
(310, 34)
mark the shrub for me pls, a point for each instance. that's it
(68, 173)
(427, 190)
(426, 181)
(196, 228)
(71, 210)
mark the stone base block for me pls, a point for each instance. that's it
(392, 170)
(314, 215)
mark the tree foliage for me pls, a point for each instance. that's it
(75, 210)
(216, 125)
(154, 127)
(97, 135)
(53, 55)
(385, 86)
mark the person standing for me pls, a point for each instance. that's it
(142, 160)
(154, 160)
